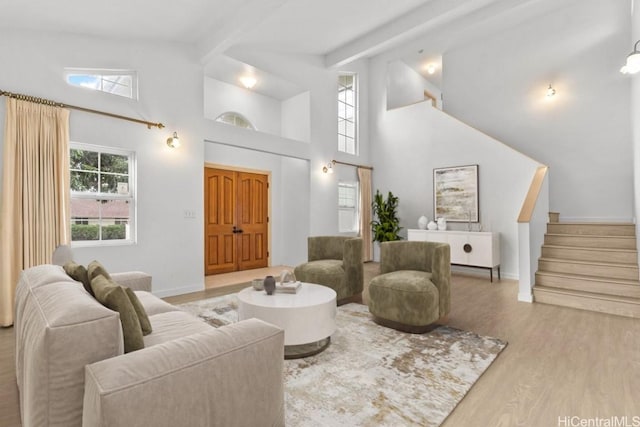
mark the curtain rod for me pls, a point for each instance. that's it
(43, 101)
(352, 164)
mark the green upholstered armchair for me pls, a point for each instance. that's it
(413, 290)
(336, 262)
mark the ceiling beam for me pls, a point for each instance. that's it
(245, 18)
(402, 29)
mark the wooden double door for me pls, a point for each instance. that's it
(236, 220)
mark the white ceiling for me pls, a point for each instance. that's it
(180, 21)
(318, 27)
(339, 30)
(300, 26)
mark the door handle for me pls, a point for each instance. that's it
(236, 230)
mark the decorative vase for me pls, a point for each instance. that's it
(258, 284)
(432, 226)
(269, 285)
(422, 222)
(442, 224)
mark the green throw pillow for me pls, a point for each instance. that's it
(79, 273)
(145, 324)
(96, 269)
(113, 296)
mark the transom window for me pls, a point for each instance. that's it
(347, 113)
(235, 119)
(116, 82)
(102, 195)
(348, 212)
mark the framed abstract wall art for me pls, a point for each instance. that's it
(455, 193)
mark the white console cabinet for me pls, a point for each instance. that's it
(469, 248)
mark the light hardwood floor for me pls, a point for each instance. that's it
(560, 362)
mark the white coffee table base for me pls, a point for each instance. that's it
(308, 317)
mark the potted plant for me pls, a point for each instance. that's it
(385, 226)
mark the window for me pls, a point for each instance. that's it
(347, 113)
(102, 195)
(235, 119)
(116, 82)
(348, 212)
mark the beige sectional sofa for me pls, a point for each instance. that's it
(71, 370)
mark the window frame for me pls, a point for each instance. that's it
(356, 114)
(101, 73)
(355, 185)
(236, 116)
(131, 197)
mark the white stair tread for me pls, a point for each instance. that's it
(589, 278)
(626, 224)
(599, 236)
(584, 294)
(595, 263)
(588, 248)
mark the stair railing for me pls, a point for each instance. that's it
(532, 225)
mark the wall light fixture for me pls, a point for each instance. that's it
(632, 65)
(328, 168)
(248, 81)
(174, 141)
(550, 91)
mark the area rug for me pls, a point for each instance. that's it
(371, 375)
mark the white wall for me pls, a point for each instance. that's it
(296, 117)
(262, 111)
(294, 201)
(409, 142)
(635, 116)
(310, 73)
(497, 84)
(169, 246)
(289, 193)
(405, 86)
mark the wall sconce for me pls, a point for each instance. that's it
(328, 168)
(632, 65)
(431, 68)
(248, 81)
(550, 91)
(174, 141)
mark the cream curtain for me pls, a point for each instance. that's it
(35, 192)
(364, 176)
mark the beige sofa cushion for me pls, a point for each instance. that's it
(171, 325)
(60, 329)
(154, 305)
(227, 377)
(136, 280)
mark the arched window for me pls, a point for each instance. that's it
(235, 119)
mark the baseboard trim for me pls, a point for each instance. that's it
(477, 272)
(526, 297)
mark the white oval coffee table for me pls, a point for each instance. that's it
(308, 317)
